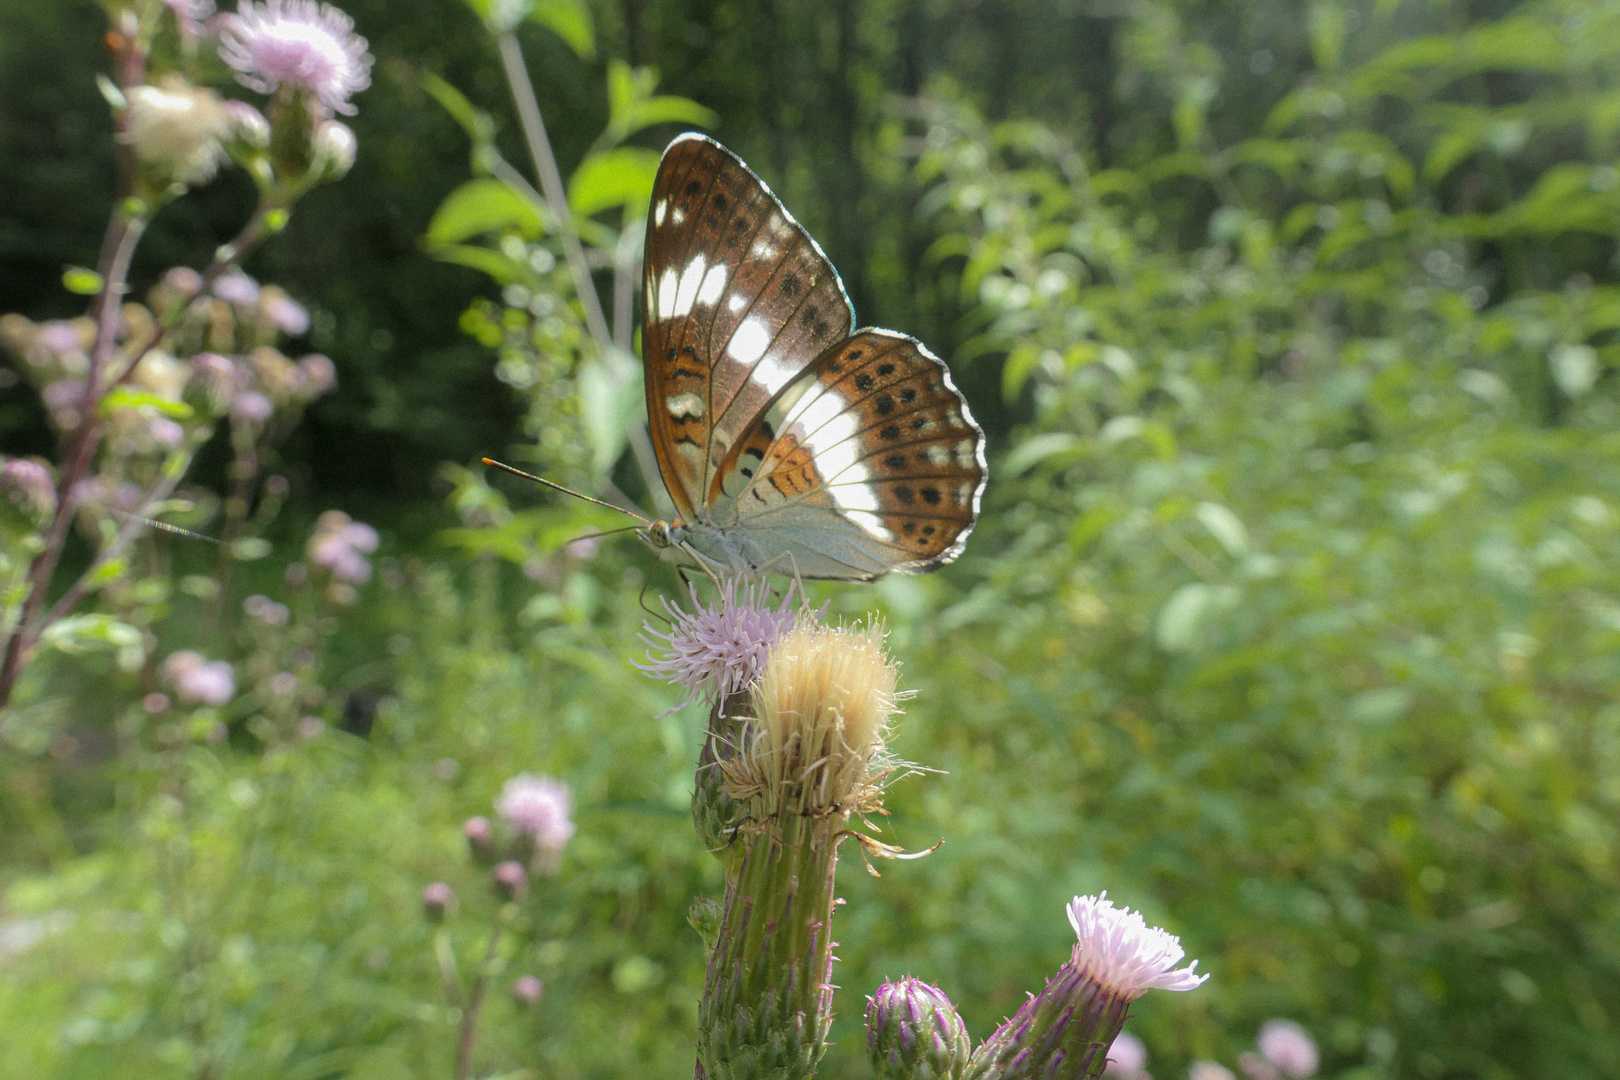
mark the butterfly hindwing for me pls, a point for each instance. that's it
(737, 300)
(870, 458)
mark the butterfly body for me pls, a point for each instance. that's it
(787, 443)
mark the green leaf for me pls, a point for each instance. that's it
(1036, 449)
(503, 270)
(131, 397)
(608, 407)
(621, 177)
(481, 206)
(81, 281)
(569, 20)
(632, 105)
(478, 125)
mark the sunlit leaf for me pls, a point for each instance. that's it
(611, 179)
(483, 206)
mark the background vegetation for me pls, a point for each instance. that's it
(1292, 617)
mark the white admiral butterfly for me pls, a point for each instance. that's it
(787, 442)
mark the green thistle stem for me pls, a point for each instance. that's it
(767, 1002)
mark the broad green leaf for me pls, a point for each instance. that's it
(569, 20)
(613, 178)
(480, 207)
(1036, 449)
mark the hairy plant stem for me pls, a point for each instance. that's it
(767, 998)
(475, 997)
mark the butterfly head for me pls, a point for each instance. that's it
(659, 535)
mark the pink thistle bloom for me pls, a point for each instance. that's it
(28, 485)
(1126, 1057)
(320, 374)
(251, 407)
(287, 314)
(296, 43)
(341, 544)
(1118, 951)
(236, 288)
(199, 681)
(165, 432)
(60, 337)
(1209, 1070)
(1287, 1045)
(266, 610)
(539, 808)
(718, 650)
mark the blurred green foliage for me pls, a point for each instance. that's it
(1292, 617)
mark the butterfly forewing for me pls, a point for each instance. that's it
(737, 300)
(786, 443)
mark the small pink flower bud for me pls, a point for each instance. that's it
(511, 881)
(480, 836)
(437, 900)
(155, 703)
(526, 990)
(310, 727)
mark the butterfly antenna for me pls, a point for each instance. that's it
(166, 527)
(599, 535)
(565, 490)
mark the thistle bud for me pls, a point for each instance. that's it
(333, 152)
(437, 900)
(526, 990)
(510, 880)
(1063, 1032)
(914, 1033)
(480, 837)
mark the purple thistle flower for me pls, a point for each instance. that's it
(341, 545)
(251, 407)
(236, 287)
(266, 610)
(199, 681)
(1119, 952)
(286, 314)
(539, 808)
(60, 337)
(913, 1031)
(717, 650)
(1287, 1046)
(28, 486)
(296, 43)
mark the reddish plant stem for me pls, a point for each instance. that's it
(475, 999)
(123, 233)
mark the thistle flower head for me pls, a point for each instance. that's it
(913, 1032)
(198, 680)
(1119, 952)
(820, 711)
(341, 544)
(176, 130)
(1289, 1047)
(27, 486)
(296, 43)
(539, 808)
(527, 989)
(718, 649)
(1209, 1070)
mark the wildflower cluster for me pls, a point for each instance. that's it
(135, 389)
(533, 824)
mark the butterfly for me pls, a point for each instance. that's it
(788, 442)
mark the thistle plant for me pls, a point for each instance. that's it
(134, 390)
(795, 762)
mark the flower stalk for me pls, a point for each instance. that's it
(804, 764)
